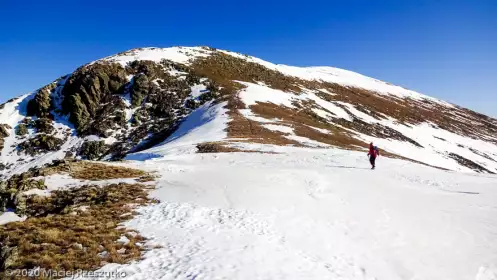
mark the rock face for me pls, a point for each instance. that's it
(40, 105)
(88, 88)
(133, 100)
(4, 132)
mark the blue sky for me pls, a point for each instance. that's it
(446, 49)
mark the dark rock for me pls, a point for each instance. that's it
(139, 89)
(87, 88)
(11, 191)
(8, 257)
(21, 129)
(93, 150)
(44, 125)
(469, 163)
(40, 105)
(40, 144)
(4, 130)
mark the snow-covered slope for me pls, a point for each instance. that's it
(314, 214)
(137, 99)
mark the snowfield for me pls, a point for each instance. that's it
(314, 214)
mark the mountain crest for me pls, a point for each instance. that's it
(145, 101)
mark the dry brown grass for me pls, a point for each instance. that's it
(224, 69)
(215, 147)
(221, 147)
(303, 119)
(61, 235)
(87, 170)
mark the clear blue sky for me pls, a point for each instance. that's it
(447, 49)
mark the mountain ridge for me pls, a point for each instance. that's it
(134, 100)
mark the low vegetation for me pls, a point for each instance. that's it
(72, 229)
(41, 143)
(91, 170)
(75, 229)
(93, 150)
(219, 147)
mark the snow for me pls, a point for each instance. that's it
(341, 76)
(11, 116)
(290, 134)
(177, 54)
(324, 131)
(313, 214)
(8, 217)
(328, 74)
(331, 107)
(254, 93)
(207, 123)
(123, 239)
(306, 141)
(13, 113)
(434, 151)
(64, 181)
(247, 113)
(197, 90)
(279, 128)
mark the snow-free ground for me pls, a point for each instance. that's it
(313, 214)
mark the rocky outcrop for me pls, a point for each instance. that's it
(8, 257)
(40, 105)
(93, 150)
(12, 191)
(44, 125)
(4, 132)
(139, 89)
(88, 88)
(21, 129)
(41, 143)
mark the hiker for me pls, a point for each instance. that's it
(373, 153)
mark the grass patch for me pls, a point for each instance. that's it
(74, 229)
(219, 147)
(86, 170)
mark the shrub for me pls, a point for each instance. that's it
(93, 150)
(21, 129)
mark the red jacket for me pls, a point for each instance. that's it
(372, 151)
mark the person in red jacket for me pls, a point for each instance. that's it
(373, 153)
